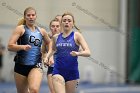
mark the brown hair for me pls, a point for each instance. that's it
(68, 13)
(58, 18)
(54, 20)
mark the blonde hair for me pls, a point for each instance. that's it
(68, 13)
(22, 20)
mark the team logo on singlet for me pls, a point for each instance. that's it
(34, 40)
(64, 44)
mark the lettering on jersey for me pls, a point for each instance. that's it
(35, 41)
(64, 45)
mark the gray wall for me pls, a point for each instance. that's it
(99, 21)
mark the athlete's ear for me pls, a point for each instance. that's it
(36, 16)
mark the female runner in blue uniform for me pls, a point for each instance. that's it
(26, 40)
(55, 29)
(66, 47)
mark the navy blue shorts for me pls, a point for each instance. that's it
(50, 70)
(24, 69)
(68, 75)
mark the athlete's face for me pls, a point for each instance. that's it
(55, 27)
(30, 17)
(67, 22)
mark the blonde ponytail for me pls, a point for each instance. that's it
(21, 22)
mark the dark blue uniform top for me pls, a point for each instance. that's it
(62, 57)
